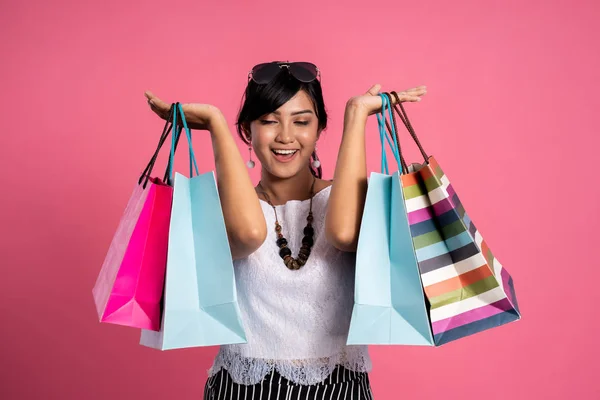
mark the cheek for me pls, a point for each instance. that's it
(307, 139)
(262, 137)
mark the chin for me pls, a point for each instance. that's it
(284, 172)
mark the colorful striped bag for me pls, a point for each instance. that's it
(467, 288)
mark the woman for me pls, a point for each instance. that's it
(292, 237)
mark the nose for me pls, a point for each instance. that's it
(284, 136)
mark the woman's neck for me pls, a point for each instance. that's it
(281, 190)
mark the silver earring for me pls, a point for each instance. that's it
(315, 162)
(250, 164)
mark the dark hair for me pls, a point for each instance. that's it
(261, 99)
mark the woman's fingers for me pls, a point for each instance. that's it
(155, 101)
(149, 97)
(413, 94)
(161, 113)
(157, 105)
(374, 90)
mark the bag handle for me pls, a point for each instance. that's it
(147, 174)
(399, 108)
(393, 142)
(167, 177)
(188, 134)
(392, 131)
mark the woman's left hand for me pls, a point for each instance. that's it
(370, 102)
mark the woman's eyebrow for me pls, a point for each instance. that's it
(296, 112)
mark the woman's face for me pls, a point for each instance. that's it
(285, 139)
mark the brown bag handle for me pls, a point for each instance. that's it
(404, 117)
(402, 113)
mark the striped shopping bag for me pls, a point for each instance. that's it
(467, 288)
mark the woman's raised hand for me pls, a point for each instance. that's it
(370, 102)
(198, 116)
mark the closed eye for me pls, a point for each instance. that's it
(268, 122)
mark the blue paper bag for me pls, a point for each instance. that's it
(389, 303)
(200, 299)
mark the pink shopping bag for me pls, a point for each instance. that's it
(129, 288)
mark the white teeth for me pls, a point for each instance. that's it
(284, 152)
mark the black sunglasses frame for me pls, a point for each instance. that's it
(292, 67)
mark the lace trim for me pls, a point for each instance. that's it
(250, 371)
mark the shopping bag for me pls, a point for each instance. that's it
(389, 304)
(200, 299)
(467, 288)
(129, 287)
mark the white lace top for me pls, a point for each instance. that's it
(295, 321)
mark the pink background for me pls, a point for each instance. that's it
(513, 90)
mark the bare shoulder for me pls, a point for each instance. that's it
(321, 184)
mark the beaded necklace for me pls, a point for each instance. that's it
(307, 241)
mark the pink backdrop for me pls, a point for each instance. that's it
(513, 89)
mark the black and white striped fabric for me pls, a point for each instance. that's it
(342, 384)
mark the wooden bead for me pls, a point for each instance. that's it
(305, 249)
(308, 240)
(285, 251)
(288, 262)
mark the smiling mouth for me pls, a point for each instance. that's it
(284, 152)
(284, 155)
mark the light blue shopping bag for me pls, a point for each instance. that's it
(200, 300)
(389, 303)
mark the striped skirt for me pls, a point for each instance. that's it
(342, 384)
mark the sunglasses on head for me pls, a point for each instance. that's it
(303, 71)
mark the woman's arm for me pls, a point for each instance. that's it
(347, 197)
(244, 219)
(349, 190)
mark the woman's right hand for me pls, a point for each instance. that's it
(198, 116)
(370, 103)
